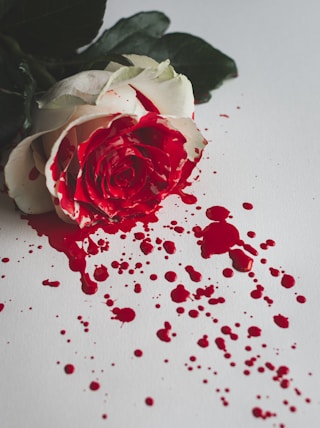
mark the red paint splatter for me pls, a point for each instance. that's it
(240, 260)
(94, 385)
(179, 294)
(164, 333)
(281, 321)
(149, 401)
(194, 275)
(46, 282)
(124, 314)
(100, 273)
(169, 247)
(203, 342)
(69, 368)
(287, 281)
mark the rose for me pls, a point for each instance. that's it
(108, 144)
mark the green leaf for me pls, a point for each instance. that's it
(151, 24)
(53, 28)
(17, 88)
(204, 65)
(5, 5)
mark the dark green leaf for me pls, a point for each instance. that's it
(117, 39)
(17, 89)
(204, 65)
(5, 5)
(53, 28)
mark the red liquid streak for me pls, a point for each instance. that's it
(221, 344)
(50, 283)
(194, 275)
(240, 261)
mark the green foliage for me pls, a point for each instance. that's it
(40, 39)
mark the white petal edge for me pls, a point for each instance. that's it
(195, 140)
(31, 196)
(170, 92)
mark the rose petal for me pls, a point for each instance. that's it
(141, 61)
(29, 192)
(170, 92)
(195, 140)
(82, 88)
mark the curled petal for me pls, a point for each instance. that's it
(25, 184)
(170, 92)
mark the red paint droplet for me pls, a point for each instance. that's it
(2, 306)
(163, 333)
(138, 353)
(149, 401)
(247, 206)
(194, 275)
(281, 321)
(221, 344)
(88, 286)
(193, 313)
(137, 288)
(179, 294)
(301, 299)
(169, 247)
(5, 260)
(100, 273)
(217, 213)
(94, 385)
(33, 174)
(124, 314)
(46, 282)
(146, 247)
(69, 368)
(240, 261)
(274, 272)
(170, 276)
(203, 342)
(287, 281)
(218, 238)
(254, 331)
(227, 273)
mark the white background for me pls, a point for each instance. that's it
(267, 152)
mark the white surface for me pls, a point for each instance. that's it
(267, 152)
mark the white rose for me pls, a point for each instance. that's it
(107, 144)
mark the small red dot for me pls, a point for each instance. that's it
(149, 401)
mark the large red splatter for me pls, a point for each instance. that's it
(218, 238)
